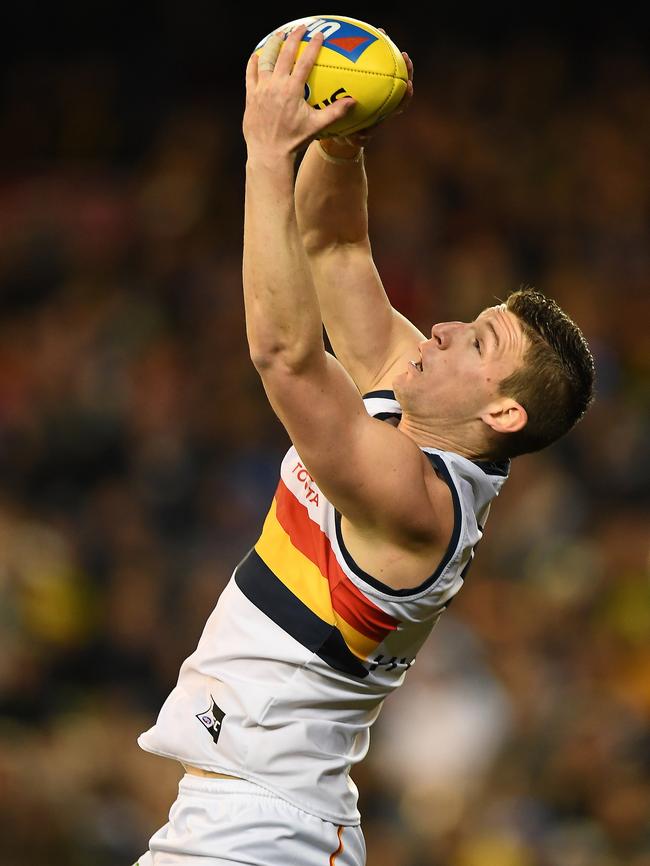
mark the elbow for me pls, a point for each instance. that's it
(317, 238)
(316, 243)
(263, 360)
(276, 361)
(312, 241)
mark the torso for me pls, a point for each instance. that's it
(197, 771)
(300, 625)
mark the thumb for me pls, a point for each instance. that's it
(336, 111)
(344, 105)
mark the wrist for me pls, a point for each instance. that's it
(272, 160)
(339, 151)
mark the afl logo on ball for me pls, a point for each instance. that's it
(341, 36)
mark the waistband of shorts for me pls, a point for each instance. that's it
(206, 784)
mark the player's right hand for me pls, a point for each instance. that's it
(278, 121)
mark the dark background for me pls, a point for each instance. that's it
(138, 454)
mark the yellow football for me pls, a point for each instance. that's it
(355, 60)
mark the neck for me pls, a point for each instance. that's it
(460, 442)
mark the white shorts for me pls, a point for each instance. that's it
(222, 822)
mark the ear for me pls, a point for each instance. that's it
(505, 416)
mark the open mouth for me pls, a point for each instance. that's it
(417, 365)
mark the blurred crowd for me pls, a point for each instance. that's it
(138, 455)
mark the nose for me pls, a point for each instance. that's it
(443, 333)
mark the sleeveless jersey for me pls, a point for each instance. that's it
(303, 646)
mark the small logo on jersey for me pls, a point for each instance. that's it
(390, 663)
(306, 481)
(212, 720)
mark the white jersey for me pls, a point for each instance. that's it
(303, 646)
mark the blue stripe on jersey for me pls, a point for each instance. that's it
(267, 592)
(389, 395)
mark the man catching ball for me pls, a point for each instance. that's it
(381, 502)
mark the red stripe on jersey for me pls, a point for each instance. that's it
(347, 600)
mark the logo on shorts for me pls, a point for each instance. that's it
(212, 719)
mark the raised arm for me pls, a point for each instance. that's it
(309, 390)
(368, 335)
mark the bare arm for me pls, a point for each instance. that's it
(309, 390)
(367, 334)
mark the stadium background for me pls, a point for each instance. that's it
(138, 454)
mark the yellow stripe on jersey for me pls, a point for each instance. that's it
(296, 572)
(360, 645)
(305, 580)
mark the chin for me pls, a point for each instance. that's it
(396, 386)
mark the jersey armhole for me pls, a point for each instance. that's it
(438, 464)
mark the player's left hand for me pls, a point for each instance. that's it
(277, 119)
(363, 136)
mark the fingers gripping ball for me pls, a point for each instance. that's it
(268, 52)
(355, 59)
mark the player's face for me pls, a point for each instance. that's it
(461, 366)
